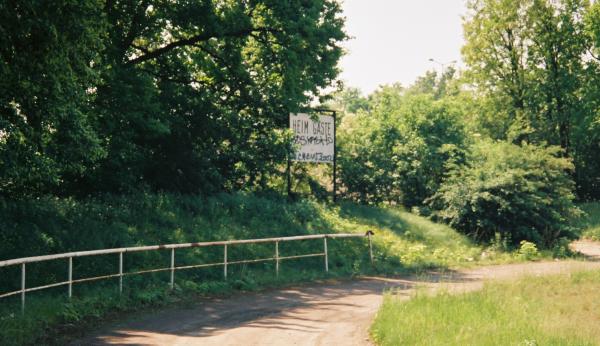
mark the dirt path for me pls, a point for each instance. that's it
(320, 314)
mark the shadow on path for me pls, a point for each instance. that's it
(324, 313)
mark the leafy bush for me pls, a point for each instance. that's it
(397, 151)
(524, 192)
(528, 250)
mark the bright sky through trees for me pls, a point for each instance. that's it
(393, 40)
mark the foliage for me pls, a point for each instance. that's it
(562, 249)
(522, 191)
(349, 100)
(590, 221)
(430, 84)
(118, 96)
(530, 61)
(47, 56)
(397, 150)
(548, 310)
(528, 250)
(586, 137)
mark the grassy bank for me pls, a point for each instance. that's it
(590, 223)
(403, 242)
(553, 310)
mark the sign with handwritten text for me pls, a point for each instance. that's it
(314, 140)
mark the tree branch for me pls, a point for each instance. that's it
(193, 40)
(175, 79)
(140, 48)
(591, 52)
(133, 27)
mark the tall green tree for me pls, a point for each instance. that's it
(586, 138)
(48, 51)
(207, 86)
(349, 100)
(438, 86)
(497, 36)
(532, 62)
(184, 96)
(558, 45)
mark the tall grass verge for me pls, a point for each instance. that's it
(553, 310)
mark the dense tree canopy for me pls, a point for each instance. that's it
(47, 54)
(534, 61)
(187, 96)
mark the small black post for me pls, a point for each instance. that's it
(334, 158)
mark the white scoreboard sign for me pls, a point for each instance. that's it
(314, 140)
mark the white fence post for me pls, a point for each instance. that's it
(172, 268)
(326, 255)
(70, 277)
(120, 272)
(370, 247)
(277, 258)
(225, 261)
(23, 288)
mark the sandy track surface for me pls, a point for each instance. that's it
(318, 314)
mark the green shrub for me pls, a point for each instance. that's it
(397, 152)
(561, 248)
(528, 250)
(522, 192)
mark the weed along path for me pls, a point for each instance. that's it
(325, 313)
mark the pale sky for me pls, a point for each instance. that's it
(393, 40)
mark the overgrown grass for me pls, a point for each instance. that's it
(590, 223)
(552, 310)
(403, 243)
